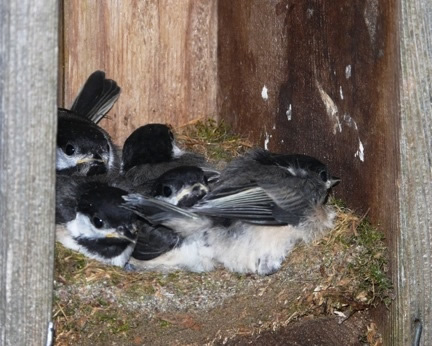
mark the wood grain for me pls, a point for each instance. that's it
(331, 72)
(414, 254)
(161, 53)
(28, 120)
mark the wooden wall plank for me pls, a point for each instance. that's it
(28, 118)
(162, 54)
(414, 265)
(330, 70)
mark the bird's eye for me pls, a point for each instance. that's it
(323, 175)
(98, 223)
(166, 191)
(70, 150)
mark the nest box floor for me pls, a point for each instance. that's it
(323, 294)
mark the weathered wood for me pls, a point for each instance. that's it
(319, 78)
(162, 54)
(414, 254)
(28, 82)
(330, 70)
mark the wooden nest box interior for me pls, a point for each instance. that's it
(323, 78)
(348, 82)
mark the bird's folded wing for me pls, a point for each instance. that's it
(246, 204)
(270, 205)
(154, 210)
(155, 241)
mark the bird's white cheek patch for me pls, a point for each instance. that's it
(82, 227)
(177, 152)
(64, 161)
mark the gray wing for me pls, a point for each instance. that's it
(260, 194)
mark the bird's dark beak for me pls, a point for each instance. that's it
(191, 195)
(334, 181)
(125, 232)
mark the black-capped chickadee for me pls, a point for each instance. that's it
(90, 219)
(84, 148)
(151, 150)
(183, 186)
(262, 205)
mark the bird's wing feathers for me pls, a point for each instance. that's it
(261, 203)
(253, 205)
(154, 210)
(96, 97)
(155, 241)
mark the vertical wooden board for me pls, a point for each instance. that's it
(28, 120)
(414, 265)
(161, 53)
(330, 69)
(331, 73)
(251, 63)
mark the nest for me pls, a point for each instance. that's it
(341, 275)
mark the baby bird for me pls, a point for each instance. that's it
(151, 150)
(90, 219)
(262, 205)
(84, 148)
(183, 186)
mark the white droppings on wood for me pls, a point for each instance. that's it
(360, 152)
(348, 71)
(264, 93)
(331, 108)
(267, 141)
(289, 113)
(350, 121)
(341, 93)
(309, 13)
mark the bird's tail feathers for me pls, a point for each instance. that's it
(96, 97)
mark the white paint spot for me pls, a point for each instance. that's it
(341, 92)
(347, 71)
(331, 108)
(360, 152)
(264, 93)
(289, 113)
(267, 141)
